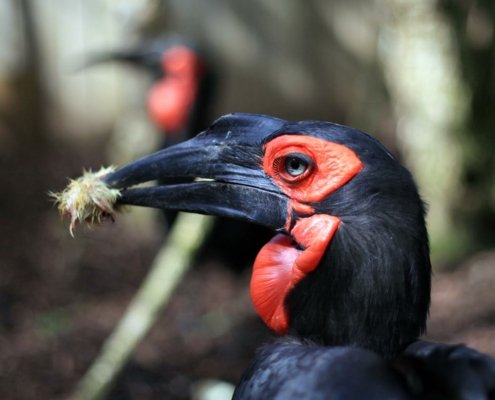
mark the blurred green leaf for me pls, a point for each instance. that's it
(52, 323)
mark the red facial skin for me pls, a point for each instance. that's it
(335, 165)
(171, 99)
(285, 261)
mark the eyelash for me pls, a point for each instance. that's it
(276, 165)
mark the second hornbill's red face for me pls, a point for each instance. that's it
(350, 265)
(171, 99)
(180, 78)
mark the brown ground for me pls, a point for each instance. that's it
(60, 298)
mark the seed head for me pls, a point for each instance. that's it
(88, 199)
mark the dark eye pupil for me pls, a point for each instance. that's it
(295, 166)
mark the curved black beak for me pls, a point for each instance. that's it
(144, 58)
(147, 54)
(229, 155)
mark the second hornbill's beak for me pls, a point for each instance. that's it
(148, 59)
(229, 155)
(148, 55)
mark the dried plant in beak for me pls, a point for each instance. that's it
(88, 199)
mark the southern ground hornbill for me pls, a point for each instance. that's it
(178, 102)
(183, 83)
(345, 282)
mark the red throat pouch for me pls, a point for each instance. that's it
(281, 264)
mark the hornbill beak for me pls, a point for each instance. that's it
(229, 155)
(138, 57)
(148, 54)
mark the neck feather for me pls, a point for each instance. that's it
(371, 289)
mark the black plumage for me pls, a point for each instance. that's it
(295, 371)
(372, 288)
(291, 369)
(354, 321)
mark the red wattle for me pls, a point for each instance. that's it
(171, 99)
(279, 266)
(170, 102)
(271, 279)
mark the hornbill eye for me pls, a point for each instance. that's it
(294, 167)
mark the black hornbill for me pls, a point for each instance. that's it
(183, 83)
(183, 86)
(346, 281)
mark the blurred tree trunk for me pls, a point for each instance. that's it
(439, 61)
(23, 100)
(22, 115)
(473, 26)
(421, 61)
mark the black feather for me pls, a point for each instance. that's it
(294, 371)
(372, 287)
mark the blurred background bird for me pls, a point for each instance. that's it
(178, 102)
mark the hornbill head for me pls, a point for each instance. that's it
(180, 75)
(350, 263)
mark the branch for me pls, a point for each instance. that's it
(171, 263)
